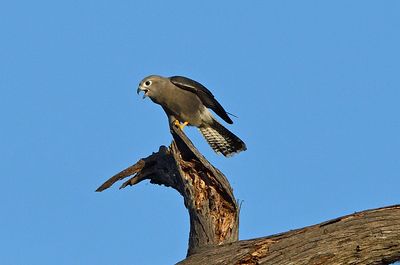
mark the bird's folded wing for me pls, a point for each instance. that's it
(205, 95)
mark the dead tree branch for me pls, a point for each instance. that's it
(369, 237)
(213, 211)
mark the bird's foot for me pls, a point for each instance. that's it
(181, 126)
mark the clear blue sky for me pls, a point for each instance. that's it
(315, 85)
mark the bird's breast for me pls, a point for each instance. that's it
(185, 106)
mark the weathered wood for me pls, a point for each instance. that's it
(369, 237)
(213, 210)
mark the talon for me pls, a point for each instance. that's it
(181, 126)
(177, 123)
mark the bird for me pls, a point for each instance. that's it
(187, 102)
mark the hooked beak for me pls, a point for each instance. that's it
(140, 89)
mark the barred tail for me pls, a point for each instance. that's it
(222, 140)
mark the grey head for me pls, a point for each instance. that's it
(152, 86)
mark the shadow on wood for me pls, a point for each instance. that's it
(369, 237)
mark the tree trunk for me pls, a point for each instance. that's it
(369, 237)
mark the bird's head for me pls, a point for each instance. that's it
(151, 86)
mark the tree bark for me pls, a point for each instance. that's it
(369, 237)
(208, 196)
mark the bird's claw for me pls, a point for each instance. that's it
(181, 126)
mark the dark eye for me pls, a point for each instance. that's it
(147, 83)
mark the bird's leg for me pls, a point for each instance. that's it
(181, 126)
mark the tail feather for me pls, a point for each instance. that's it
(222, 140)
